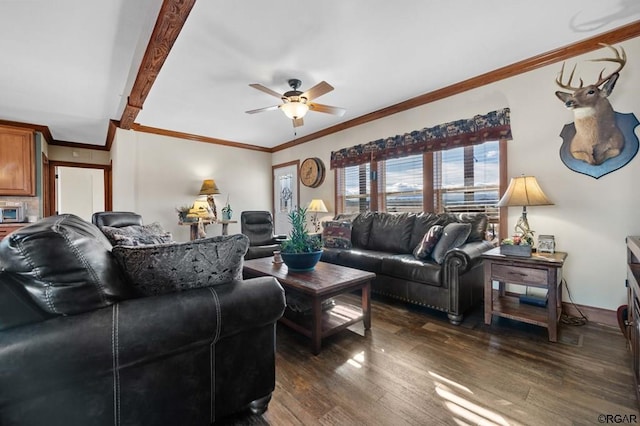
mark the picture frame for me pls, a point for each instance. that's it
(546, 244)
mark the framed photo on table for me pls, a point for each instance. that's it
(546, 244)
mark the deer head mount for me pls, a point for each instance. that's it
(597, 136)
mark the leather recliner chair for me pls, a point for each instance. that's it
(258, 226)
(78, 347)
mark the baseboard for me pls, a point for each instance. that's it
(597, 315)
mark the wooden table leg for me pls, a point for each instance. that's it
(316, 325)
(225, 229)
(552, 305)
(366, 306)
(488, 293)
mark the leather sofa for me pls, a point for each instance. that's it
(79, 345)
(258, 226)
(384, 243)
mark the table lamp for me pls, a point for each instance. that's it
(316, 206)
(524, 191)
(209, 188)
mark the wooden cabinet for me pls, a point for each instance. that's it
(17, 162)
(6, 229)
(633, 306)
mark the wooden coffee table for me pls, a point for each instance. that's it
(323, 283)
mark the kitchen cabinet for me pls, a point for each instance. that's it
(17, 162)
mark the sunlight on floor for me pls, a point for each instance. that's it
(357, 360)
(465, 412)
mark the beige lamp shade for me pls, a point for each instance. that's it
(524, 191)
(209, 187)
(317, 206)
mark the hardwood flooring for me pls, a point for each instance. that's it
(414, 368)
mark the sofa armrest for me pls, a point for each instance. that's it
(47, 355)
(249, 303)
(466, 256)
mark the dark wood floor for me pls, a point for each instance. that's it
(415, 368)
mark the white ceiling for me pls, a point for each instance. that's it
(70, 64)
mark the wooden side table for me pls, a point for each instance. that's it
(539, 270)
(195, 233)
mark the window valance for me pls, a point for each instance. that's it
(495, 125)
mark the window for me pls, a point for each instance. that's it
(402, 183)
(468, 180)
(465, 179)
(354, 188)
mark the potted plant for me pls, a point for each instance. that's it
(300, 251)
(227, 211)
(518, 245)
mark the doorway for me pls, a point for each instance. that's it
(79, 188)
(286, 195)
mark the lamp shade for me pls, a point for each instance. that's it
(209, 187)
(294, 109)
(317, 206)
(524, 191)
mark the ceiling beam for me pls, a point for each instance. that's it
(171, 18)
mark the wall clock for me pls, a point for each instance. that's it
(312, 172)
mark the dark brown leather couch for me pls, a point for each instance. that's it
(77, 347)
(384, 242)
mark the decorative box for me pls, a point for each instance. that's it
(515, 250)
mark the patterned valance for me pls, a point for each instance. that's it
(495, 125)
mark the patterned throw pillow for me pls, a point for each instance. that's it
(137, 235)
(428, 243)
(453, 235)
(166, 268)
(337, 234)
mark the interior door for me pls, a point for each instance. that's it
(286, 194)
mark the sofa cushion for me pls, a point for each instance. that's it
(361, 229)
(453, 235)
(337, 234)
(407, 267)
(428, 243)
(366, 260)
(479, 223)
(392, 232)
(424, 221)
(165, 268)
(137, 235)
(65, 264)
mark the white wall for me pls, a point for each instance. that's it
(80, 191)
(152, 175)
(590, 218)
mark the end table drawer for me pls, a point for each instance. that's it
(518, 274)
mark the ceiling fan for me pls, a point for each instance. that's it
(295, 103)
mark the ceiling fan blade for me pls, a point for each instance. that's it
(297, 122)
(317, 90)
(327, 109)
(269, 108)
(266, 90)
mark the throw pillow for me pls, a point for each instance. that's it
(453, 235)
(337, 234)
(166, 268)
(137, 235)
(428, 243)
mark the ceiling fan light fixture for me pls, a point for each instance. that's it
(294, 109)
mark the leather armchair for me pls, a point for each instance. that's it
(258, 226)
(78, 348)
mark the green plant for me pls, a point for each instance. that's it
(299, 240)
(227, 207)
